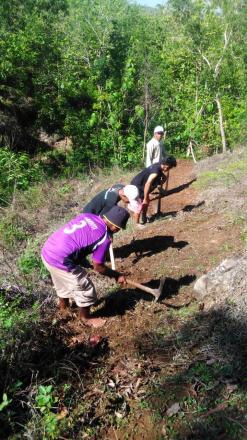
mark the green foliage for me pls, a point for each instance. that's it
(11, 231)
(16, 172)
(46, 401)
(44, 398)
(101, 73)
(30, 261)
(13, 319)
(202, 372)
(5, 402)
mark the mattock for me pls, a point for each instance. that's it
(155, 292)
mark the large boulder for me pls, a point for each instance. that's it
(225, 285)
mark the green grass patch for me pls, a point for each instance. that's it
(243, 236)
(229, 175)
(14, 318)
(30, 261)
(184, 312)
(33, 198)
(12, 231)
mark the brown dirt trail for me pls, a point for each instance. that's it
(182, 245)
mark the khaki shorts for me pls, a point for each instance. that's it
(77, 287)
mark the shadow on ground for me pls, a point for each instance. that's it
(43, 355)
(179, 188)
(118, 303)
(163, 215)
(210, 392)
(164, 193)
(149, 246)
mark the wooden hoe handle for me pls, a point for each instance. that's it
(141, 287)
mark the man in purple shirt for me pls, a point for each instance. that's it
(65, 248)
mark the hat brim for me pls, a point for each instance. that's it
(117, 226)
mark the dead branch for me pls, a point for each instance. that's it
(190, 150)
(226, 42)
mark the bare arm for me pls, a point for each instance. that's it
(136, 217)
(167, 180)
(105, 270)
(147, 187)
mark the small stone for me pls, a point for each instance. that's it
(173, 410)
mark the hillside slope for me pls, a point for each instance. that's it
(166, 370)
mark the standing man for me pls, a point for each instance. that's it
(155, 147)
(65, 249)
(151, 177)
(110, 197)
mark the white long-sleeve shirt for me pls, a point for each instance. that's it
(155, 151)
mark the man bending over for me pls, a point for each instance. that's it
(65, 249)
(151, 177)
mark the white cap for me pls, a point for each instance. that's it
(132, 193)
(158, 129)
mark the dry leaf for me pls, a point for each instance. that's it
(63, 413)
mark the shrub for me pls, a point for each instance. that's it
(16, 172)
(11, 231)
(13, 321)
(45, 403)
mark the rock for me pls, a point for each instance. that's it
(173, 410)
(225, 284)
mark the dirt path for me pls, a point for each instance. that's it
(186, 242)
(183, 244)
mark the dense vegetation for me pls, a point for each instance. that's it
(104, 73)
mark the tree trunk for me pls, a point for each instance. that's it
(222, 130)
(191, 151)
(146, 103)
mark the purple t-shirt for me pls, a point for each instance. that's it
(83, 235)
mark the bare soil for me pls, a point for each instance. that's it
(185, 242)
(139, 346)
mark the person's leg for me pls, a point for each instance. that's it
(143, 217)
(63, 303)
(78, 287)
(87, 319)
(59, 279)
(84, 297)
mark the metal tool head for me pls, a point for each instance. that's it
(157, 292)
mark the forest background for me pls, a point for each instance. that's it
(102, 74)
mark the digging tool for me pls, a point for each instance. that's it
(161, 194)
(113, 265)
(155, 292)
(158, 207)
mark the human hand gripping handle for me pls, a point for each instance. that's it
(113, 265)
(121, 278)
